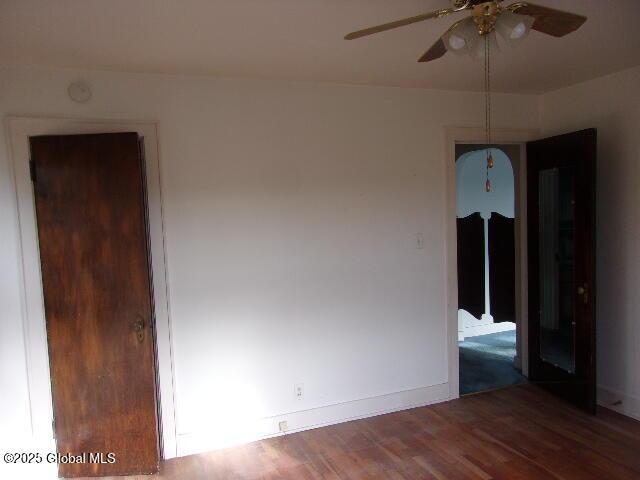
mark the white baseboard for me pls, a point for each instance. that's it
(204, 441)
(30, 471)
(619, 402)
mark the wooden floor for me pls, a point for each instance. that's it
(520, 432)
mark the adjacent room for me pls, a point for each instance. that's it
(488, 334)
(319, 239)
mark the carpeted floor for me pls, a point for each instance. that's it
(486, 362)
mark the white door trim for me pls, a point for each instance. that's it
(19, 129)
(454, 135)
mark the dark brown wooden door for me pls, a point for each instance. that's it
(90, 203)
(471, 288)
(561, 237)
(502, 268)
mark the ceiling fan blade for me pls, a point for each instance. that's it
(439, 48)
(436, 51)
(548, 20)
(398, 23)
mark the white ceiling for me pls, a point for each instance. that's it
(302, 40)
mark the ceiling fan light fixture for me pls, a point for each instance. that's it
(513, 27)
(519, 31)
(478, 51)
(456, 42)
(462, 37)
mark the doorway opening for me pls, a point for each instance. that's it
(488, 331)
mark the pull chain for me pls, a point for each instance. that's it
(487, 109)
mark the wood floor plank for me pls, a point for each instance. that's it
(518, 433)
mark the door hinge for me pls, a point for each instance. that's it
(32, 170)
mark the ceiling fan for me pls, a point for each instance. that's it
(512, 22)
(475, 35)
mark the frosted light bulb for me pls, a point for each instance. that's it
(457, 42)
(518, 31)
(513, 27)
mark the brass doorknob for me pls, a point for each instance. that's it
(583, 290)
(138, 327)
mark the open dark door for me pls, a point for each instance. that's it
(561, 179)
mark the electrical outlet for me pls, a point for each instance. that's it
(298, 390)
(282, 426)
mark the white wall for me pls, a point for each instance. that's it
(612, 105)
(291, 216)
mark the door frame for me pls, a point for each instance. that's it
(467, 135)
(18, 130)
